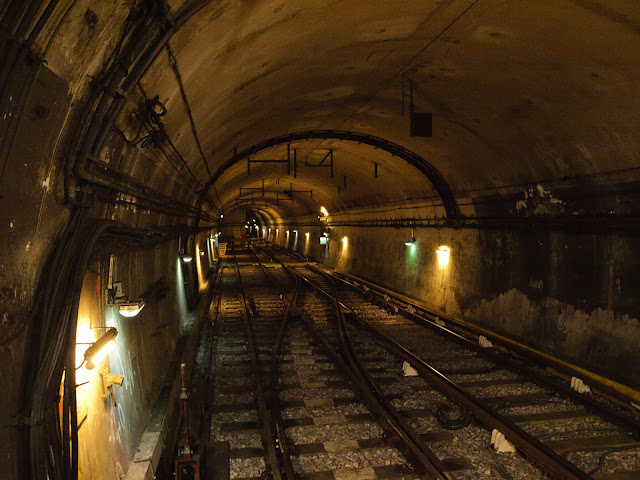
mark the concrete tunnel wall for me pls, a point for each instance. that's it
(570, 295)
(506, 117)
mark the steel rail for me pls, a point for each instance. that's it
(535, 450)
(468, 337)
(394, 427)
(429, 460)
(272, 460)
(274, 396)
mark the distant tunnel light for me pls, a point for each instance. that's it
(443, 256)
(345, 242)
(324, 211)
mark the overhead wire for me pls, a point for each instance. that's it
(152, 125)
(404, 67)
(173, 62)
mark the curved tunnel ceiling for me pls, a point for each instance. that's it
(519, 93)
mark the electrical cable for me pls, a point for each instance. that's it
(173, 62)
(388, 81)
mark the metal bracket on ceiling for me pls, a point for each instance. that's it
(288, 192)
(285, 160)
(329, 155)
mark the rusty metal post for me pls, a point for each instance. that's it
(187, 466)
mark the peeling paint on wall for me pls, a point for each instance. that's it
(538, 201)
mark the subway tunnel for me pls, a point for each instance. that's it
(479, 158)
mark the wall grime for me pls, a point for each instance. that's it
(111, 426)
(563, 293)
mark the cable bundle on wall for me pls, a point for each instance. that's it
(52, 441)
(148, 32)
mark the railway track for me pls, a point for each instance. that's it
(316, 380)
(565, 434)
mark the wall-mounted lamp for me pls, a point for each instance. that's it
(412, 240)
(443, 256)
(131, 309)
(182, 251)
(324, 211)
(100, 348)
(222, 215)
(306, 234)
(345, 242)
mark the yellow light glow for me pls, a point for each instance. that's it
(443, 256)
(97, 358)
(307, 235)
(345, 242)
(324, 211)
(84, 337)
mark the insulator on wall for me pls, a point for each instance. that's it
(408, 370)
(500, 443)
(579, 386)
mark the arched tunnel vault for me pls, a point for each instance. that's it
(342, 169)
(373, 176)
(143, 114)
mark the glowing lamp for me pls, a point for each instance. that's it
(324, 211)
(186, 258)
(100, 348)
(411, 241)
(131, 309)
(306, 234)
(345, 241)
(443, 256)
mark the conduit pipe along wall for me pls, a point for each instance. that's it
(103, 107)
